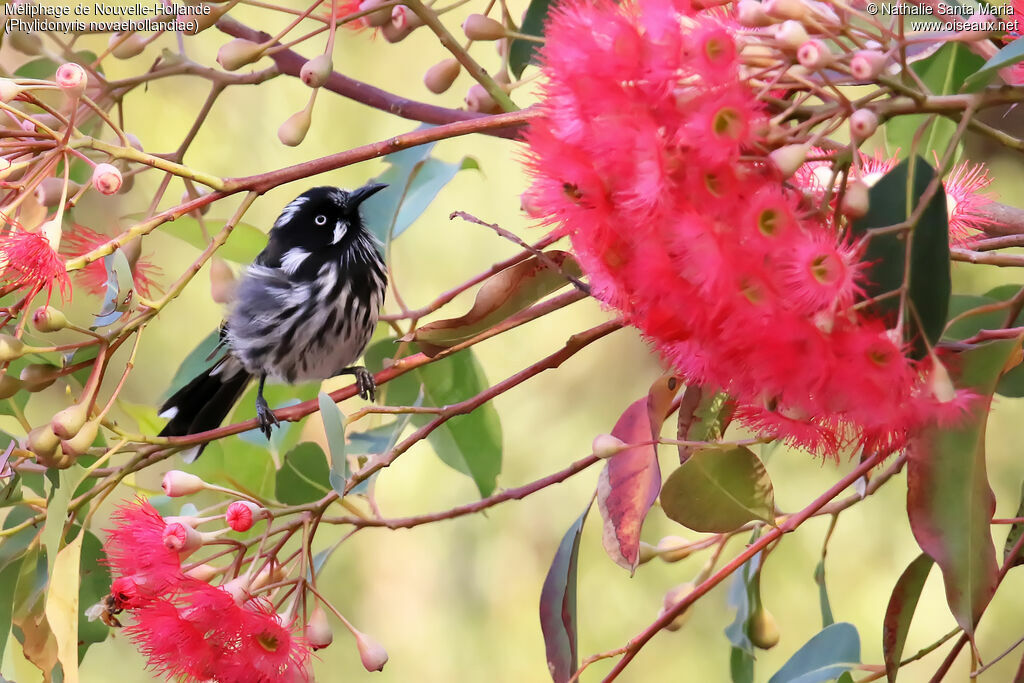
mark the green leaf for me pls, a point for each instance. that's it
(741, 666)
(826, 606)
(303, 476)
(57, 511)
(943, 73)
(120, 289)
(745, 598)
(824, 657)
(413, 179)
(1016, 531)
(334, 428)
(242, 246)
(900, 611)
(238, 465)
(95, 585)
(45, 69)
(9, 573)
(1008, 56)
(195, 362)
(719, 490)
(558, 605)
(893, 200)
(523, 52)
(502, 295)
(949, 501)
(278, 396)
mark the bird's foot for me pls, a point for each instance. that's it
(265, 416)
(365, 383)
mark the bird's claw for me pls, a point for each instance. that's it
(266, 417)
(365, 384)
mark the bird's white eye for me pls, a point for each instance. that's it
(320, 220)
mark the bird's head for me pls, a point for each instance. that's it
(325, 217)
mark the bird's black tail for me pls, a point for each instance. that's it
(203, 403)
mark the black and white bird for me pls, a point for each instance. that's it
(305, 309)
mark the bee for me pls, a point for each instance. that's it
(106, 610)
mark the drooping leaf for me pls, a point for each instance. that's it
(57, 504)
(31, 627)
(558, 605)
(523, 52)
(414, 179)
(823, 602)
(239, 465)
(894, 199)
(241, 246)
(9, 573)
(120, 289)
(304, 476)
(62, 607)
(507, 292)
(949, 501)
(95, 584)
(1008, 56)
(745, 597)
(198, 360)
(824, 657)
(944, 72)
(334, 428)
(630, 480)
(1016, 531)
(900, 611)
(719, 490)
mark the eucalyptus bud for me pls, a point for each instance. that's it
(82, 441)
(378, 18)
(107, 179)
(865, 65)
(39, 376)
(606, 445)
(48, 319)
(856, 200)
(222, 281)
(25, 43)
(242, 514)
(478, 99)
(863, 124)
(479, 27)
(441, 76)
(181, 538)
(293, 131)
(939, 381)
(788, 159)
(123, 47)
(11, 348)
(750, 13)
(9, 90)
(49, 192)
(672, 598)
(42, 441)
(763, 630)
(673, 548)
(791, 35)
(70, 421)
(72, 79)
(786, 9)
(235, 54)
(203, 572)
(371, 653)
(646, 553)
(205, 21)
(393, 33)
(814, 54)
(318, 630)
(177, 483)
(316, 71)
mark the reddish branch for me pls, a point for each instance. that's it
(290, 62)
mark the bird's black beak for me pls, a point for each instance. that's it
(357, 197)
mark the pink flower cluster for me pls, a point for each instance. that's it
(188, 629)
(648, 154)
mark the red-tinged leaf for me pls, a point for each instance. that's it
(558, 605)
(900, 611)
(631, 479)
(949, 501)
(1012, 538)
(718, 490)
(508, 292)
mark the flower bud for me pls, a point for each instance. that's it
(863, 124)
(646, 553)
(106, 178)
(42, 441)
(177, 483)
(865, 65)
(69, 421)
(181, 538)
(241, 515)
(235, 54)
(222, 281)
(318, 630)
(750, 13)
(788, 159)
(126, 47)
(856, 200)
(441, 76)
(11, 348)
(38, 376)
(371, 653)
(203, 572)
(786, 9)
(763, 630)
(293, 131)
(790, 35)
(9, 385)
(9, 90)
(82, 441)
(25, 43)
(405, 19)
(672, 598)
(479, 27)
(478, 99)
(48, 192)
(378, 18)
(316, 71)
(606, 445)
(72, 79)
(814, 54)
(673, 548)
(939, 382)
(48, 319)
(205, 21)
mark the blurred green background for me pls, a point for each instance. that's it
(457, 600)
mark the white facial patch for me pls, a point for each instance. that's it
(292, 259)
(337, 196)
(339, 231)
(290, 211)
